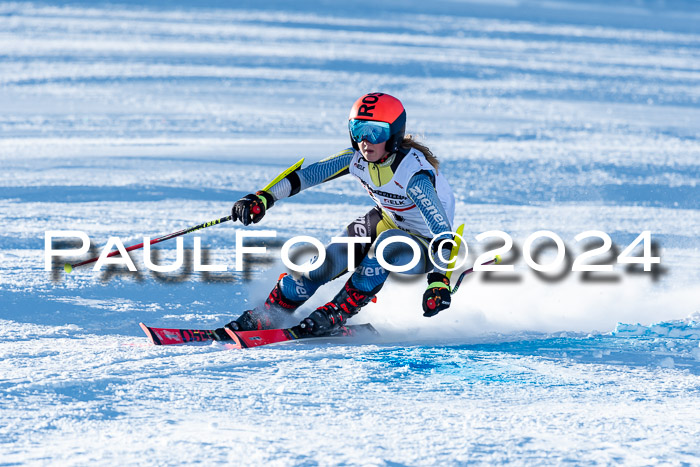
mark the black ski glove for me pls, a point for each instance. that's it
(251, 208)
(438, 295)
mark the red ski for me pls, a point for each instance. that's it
(164, 336)
(246, 339)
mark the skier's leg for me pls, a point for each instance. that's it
(270, 315)
(291, 291)
(365, 282)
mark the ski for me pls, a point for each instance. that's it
(166, 336)
(245, 339)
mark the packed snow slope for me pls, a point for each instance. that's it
(138, 119)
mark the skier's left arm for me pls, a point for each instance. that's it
(421, 190)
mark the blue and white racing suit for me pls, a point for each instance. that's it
(413, 200)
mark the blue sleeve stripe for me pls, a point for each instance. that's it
(422, 192)
(327, 169)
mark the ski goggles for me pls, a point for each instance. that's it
(374, 132)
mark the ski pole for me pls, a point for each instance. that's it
(69, 267)
(453, 259)
(495, 260)
(455, 250)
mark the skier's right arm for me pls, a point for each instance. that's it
(322, 171)
(251, 208)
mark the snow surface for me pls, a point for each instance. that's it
(142, 119)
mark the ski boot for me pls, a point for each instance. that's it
(330, 317)
(268, 316)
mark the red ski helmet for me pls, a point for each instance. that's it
(380, 107)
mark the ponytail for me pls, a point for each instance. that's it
(409, 142)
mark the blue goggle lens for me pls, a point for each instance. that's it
(374, 132)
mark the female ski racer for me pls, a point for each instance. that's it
(413, 200)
